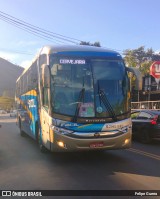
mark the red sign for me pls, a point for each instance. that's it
(155, 69)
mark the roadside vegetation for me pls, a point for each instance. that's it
(6, 103)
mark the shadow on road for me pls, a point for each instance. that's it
(98, 163)
(96, 169)
(102, 163)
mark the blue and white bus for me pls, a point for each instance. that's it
(75, 98)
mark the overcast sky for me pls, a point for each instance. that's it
(116, 24)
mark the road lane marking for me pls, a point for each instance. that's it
(151, 155)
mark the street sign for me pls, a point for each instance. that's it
(155, 69)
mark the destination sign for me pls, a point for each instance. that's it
(72, 61)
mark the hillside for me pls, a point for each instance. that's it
(7, 103)
(8, 76)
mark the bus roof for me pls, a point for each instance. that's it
(77, 49)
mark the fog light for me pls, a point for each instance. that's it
(61, 144)
(126, 141)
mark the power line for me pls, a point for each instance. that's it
(40, 32)
(30, 30)
(45, 34)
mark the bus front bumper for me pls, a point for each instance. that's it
(91, 141)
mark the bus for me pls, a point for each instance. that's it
(75, 98)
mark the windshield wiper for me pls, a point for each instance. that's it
(80, 99)
(107, 104)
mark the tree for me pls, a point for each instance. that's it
(140, 58)
(97, 43)
(129, 58)
(145, 67)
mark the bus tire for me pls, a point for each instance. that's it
(22, 133)
(39, 141)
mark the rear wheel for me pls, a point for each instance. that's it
(145, 136)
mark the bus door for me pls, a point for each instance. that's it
(45, 126)
(46, 119)
(33, 112)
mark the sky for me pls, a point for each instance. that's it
(116, 24)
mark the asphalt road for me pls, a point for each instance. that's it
(24, 167)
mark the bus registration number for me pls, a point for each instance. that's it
(96, 144)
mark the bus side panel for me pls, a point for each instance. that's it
(29, 112)
(46, 122)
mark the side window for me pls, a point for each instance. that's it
(42, 60)
(44, 90)
(46, 98)
(33, 77)
(144, 115)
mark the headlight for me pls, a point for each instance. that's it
(61, 130)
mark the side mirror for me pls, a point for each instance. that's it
(45, 76)
(138, 75)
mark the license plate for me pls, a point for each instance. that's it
(96, 144)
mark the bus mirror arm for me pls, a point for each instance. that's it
(138, 76)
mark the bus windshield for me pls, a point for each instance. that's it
(88, 87)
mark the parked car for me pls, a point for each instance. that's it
(13, 113)
(145, 125)
(3, 112)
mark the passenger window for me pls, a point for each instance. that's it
(144, 115)
(46, 98)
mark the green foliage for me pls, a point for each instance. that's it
(129, 58)
(97, 43)
(140, 58)
(6, 103)
(145, 67)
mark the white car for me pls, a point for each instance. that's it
(2, 112)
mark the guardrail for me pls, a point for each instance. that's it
(155, 105)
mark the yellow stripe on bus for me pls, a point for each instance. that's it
(32, 92)
(28, 111)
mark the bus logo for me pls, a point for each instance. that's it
(31, 103)
(97, 135)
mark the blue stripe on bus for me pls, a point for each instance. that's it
(30, 105)
(91, 54)
(83, 127)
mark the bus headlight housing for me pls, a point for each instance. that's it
(61, 144)
(126, 141)
(61, 130)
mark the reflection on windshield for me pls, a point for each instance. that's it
(68, 81)
(110, 77)
(104, 99)
(75, 87)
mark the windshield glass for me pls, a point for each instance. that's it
(111, 87)
(77, 85)
(72, 87)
